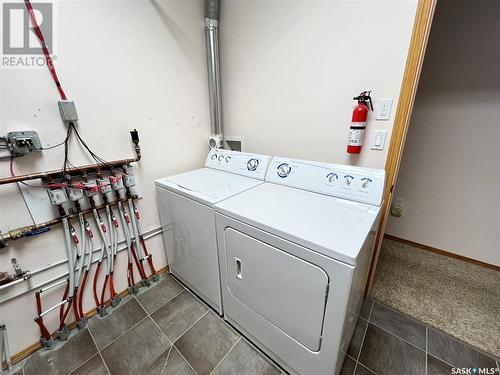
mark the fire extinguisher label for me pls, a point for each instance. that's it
(356, 135)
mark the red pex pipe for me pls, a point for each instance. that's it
(150, 257)
(111, 287)
(61, 309)
(75, 306)
(61, 326)
(96, 297)
(130, 274)
(103, 292)
(46, 53)
(80, 300)
(43, 330)
(138, 264)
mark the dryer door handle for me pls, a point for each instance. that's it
(238, 268)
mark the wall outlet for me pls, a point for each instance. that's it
(397, 207)
(384, 107)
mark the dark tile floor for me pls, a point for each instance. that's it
(166, 330)
(163, 330)
(388, 342)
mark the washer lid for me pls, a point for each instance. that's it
(331, 226)
(207, 185)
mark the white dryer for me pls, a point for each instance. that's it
(186, 202)
(294, 257)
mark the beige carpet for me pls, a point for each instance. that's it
(459, 298)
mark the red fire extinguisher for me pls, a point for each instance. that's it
(358, 124)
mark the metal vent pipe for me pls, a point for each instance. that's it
(212, 13)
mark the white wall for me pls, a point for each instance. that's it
(290, 69)
(450, 172)
(126, 64)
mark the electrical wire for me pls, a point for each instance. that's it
(53, 146)
(45, 50)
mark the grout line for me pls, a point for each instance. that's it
(155, 358)
(184, 358)
(98, 352)
(426, 349)
(104, 362)
(402, 339)
(161, 331)
(460, 341)
(95, 345)
(463, 343)
(164, 278)
(363, 339)
(170, 300)
(166, 361)
(362, 365)
(371, 310)
(225, 356)
(441, 331)
(403, 314)
(191, 326)
(132, 327)
(442, 360)
(347, 355)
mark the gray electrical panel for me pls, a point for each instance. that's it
(23, 142)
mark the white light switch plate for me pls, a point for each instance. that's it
(378, 140)
(384, 107)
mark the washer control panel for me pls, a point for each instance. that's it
(358, 184)
(242, 163)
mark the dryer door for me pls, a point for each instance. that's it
(285, 290)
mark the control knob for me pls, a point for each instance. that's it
(332, 177)
(252, 164)
(228, 158)
(284, 170)
(348, 179)
(214, 157)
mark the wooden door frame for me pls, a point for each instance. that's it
(414, 62)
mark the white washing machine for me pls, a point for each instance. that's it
(186, 202)
(294, 258)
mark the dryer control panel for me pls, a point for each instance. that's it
(365, 185)
(242, 163)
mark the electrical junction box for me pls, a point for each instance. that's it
(22, 142)
(68, 111)
(57, 196)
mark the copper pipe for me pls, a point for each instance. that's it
(56, 173)
(19, 233)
